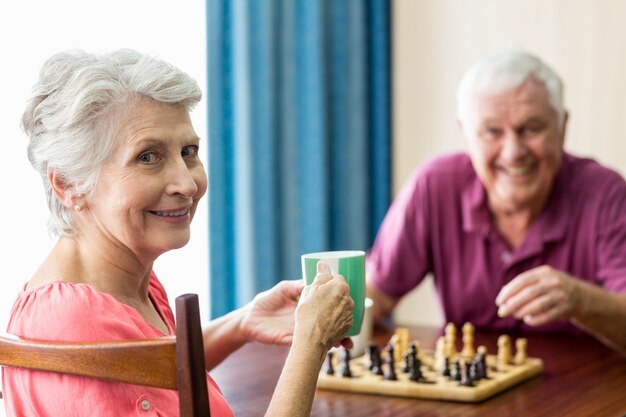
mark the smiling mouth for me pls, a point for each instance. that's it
(518, 171)
(177, 213)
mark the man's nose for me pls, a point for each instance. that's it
(513, 146)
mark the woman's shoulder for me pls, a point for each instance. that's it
(69, 311)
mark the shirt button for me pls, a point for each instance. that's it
(145, 405)
(505, 256)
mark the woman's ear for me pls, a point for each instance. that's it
(62, 190)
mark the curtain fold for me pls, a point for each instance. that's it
(299, 136)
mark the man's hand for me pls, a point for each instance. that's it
(540, 295)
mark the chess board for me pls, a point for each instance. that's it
(436, 387)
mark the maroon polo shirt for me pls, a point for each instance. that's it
(440, 223)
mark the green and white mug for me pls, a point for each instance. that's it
(351, 265)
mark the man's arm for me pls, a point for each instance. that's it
(602, 314)
(383, 304)
(544, 294)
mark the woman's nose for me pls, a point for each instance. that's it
(181, 180)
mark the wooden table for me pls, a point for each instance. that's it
(581, 378)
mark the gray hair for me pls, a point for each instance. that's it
(504, 71)
(76, 105)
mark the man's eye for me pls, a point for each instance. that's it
(148, 157)
(190, 151)
(532, 129)
(492, 133)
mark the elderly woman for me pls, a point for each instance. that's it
(111, 137)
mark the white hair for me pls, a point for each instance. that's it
(505, 71)
(77, 102)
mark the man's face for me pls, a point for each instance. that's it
(515, 143)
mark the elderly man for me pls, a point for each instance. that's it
(518, 233)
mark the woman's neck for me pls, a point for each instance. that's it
(117, 273)
(109, 268)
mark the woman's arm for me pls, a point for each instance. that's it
(222, 337)
(323, 316)
(269, 318)
(312, 320)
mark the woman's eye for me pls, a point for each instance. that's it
(190, 151)
(148, 157)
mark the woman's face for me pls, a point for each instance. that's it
(149, 188)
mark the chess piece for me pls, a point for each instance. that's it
(370, 355)
(439, 353)
(390, 369)
(407, 363)
(346, 372)
(468, 351)
(474, 370)
(450, 340)
(466, 379)
(504, 351)
(455, 373)
(415, 368)
(481, 362)
(409, 356)
(329, 363)
(376, 360)
(446, 367)
(520, 351)
(401, 343)
(416, 344)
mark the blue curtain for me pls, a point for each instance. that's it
(299, 136)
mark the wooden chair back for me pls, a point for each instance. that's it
(180, 359)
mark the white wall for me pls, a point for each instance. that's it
(31, 31)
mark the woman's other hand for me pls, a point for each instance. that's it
(270, 315)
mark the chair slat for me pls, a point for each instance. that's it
(129, 361)
(192, 383)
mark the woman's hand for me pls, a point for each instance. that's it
(324, 312)
(270, 315)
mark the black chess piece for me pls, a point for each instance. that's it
(481, 365)
(466, 380)
(415, 368)
(446, 367)
(410, 355)
(407, 363)
(329, 363)
(346, 372)
(455, 373)
(474, 371)
(372, 352)
(375, 360)
(390, 369)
